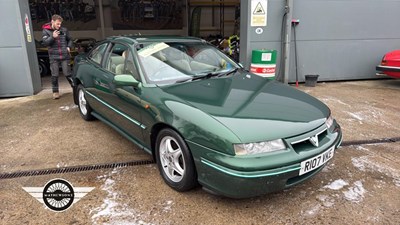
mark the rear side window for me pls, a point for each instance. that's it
(97, 53)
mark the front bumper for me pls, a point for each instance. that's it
(235, 183)
(387, 68)
(388, 71)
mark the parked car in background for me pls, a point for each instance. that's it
(203, 118)
(43, 58)
(84, 44)
(390, 65)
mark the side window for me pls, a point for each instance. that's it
(97, 54)
(116, 60)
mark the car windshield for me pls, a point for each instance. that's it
(168, 63)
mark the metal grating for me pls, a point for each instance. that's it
(371, 141)
(73, 169)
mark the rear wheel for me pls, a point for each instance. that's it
(43, 69)
(84, 107)
(175, 161)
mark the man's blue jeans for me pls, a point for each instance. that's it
(55, 71)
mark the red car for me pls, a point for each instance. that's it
(390, 65)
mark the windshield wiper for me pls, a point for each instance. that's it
(209, 75)
(183, 81)
(198, 77)
(204, 76)
(228, 72)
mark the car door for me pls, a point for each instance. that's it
(95, 78)
(122, 103)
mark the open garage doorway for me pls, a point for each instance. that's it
(218, 22)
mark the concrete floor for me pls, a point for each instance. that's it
(361, 185)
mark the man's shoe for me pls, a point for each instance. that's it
(56, 95)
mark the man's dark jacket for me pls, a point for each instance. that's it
(57, 47)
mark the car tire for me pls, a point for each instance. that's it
(43, 69)
(83, 105)
(175, 161)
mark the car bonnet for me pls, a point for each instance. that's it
(252, 107)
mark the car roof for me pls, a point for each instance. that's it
(153, 38)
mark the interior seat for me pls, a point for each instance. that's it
(115, 61)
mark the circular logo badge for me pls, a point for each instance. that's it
(58, 195)
(259, 30)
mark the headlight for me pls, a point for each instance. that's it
(329, 122)
(260, 147)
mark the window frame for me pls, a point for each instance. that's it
(95, 50)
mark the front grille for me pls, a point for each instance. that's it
(306, 144)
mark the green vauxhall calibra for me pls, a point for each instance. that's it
(204, 119)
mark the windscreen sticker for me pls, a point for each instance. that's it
(151, 49)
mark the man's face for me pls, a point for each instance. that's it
(56, 24)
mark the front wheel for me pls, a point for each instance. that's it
(175, 161)
(84, 107)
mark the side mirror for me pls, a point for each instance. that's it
(125, 80)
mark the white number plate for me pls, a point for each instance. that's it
(317, 161)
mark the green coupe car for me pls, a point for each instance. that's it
(204, 119)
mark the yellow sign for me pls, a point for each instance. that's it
(151, 49)
(27, 29)
(259, 9)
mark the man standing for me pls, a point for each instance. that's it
(59, 44)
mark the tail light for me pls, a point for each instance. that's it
(383, 62)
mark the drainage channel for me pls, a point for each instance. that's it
(72, 169)
(371, 141)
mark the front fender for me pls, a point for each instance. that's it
(199, 127)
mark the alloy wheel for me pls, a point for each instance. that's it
(82, 102)
(171, 158)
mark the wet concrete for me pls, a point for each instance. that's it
(360, 185)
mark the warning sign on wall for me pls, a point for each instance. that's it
(28, 29)
(259, 13)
